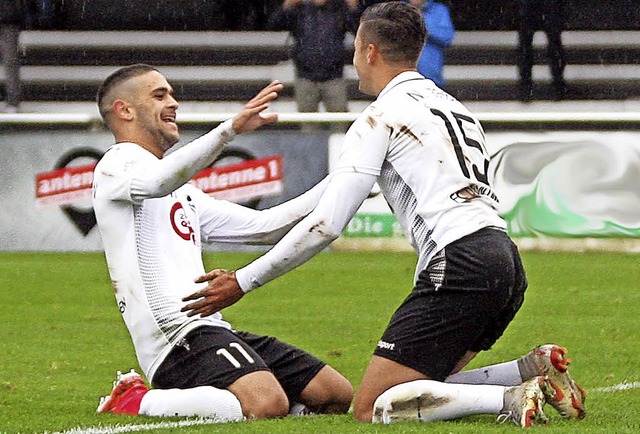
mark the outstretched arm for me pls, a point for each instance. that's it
(338, 204)
(227, 222)
(306, 239)
(364, 150)
(174, 170)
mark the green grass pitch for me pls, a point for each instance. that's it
(62, 338)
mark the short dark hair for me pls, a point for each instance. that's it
(397, 28)
(121, 75)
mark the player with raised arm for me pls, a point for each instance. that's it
(427, 152)
(152, 223)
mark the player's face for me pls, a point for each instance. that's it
(155, 109)
(362, 65)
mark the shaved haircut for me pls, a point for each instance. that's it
(105, 92)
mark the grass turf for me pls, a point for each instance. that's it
(62, 338)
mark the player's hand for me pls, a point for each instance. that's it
(223, 290)
(251, 116)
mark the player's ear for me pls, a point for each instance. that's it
(372, 53)
(122, 110)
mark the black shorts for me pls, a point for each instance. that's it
(215, 356)
(463, 301)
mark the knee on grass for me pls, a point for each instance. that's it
(265, 405)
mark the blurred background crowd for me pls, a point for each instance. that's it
(254, 14)
(319, 31)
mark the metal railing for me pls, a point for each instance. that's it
(85, 119)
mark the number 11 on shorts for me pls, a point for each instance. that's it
(227, 355)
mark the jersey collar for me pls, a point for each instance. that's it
(401, 78)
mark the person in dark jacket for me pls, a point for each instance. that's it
(544, 15)
(318, 28)
(13, 19)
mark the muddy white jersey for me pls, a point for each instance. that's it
(428, 153)
(152, 224)
(153, 252)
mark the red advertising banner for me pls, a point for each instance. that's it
(242, 181)
(235, 182)
(64, 186)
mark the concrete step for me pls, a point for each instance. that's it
(238, 83)
(284, 72)
(59, 40)
(260, 48)
(233, 66)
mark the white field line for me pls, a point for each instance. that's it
(617, 387)
(119, 429)
(122, 429)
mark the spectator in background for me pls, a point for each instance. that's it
(318, 28)
(13, 19)
(546, 15)
(440, 35)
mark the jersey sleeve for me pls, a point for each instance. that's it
(344, 195)
(135, 175)
(359, 165)
(365, 144)
(113, 174)
(223, 221)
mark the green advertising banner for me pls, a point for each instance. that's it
(372, 225)
(551, 185)
(568, 184)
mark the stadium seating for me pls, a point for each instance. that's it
(232, 66)
(601, 65)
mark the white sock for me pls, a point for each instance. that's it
(203, 401)
(503, 374)
(442, 401)
(298, 409)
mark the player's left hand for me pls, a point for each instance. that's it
(223, 290)
(253, 115)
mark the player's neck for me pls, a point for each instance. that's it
(389, 74)
(147, 143)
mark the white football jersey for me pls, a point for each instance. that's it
(153, 252)
(429, 155)
(152, 224)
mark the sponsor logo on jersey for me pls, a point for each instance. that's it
(180, 223)
(471, 192)
(122, 305)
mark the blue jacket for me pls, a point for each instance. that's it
(440, 35)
